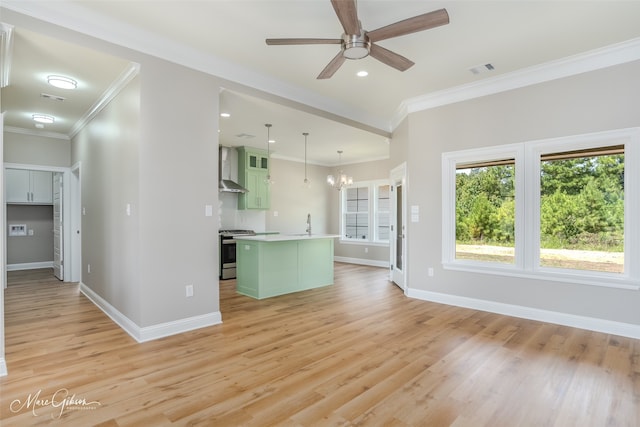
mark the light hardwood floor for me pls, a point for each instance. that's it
(356, 353)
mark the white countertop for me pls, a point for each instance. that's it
(285, 237)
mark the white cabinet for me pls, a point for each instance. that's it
(27, 186)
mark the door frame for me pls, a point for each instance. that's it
(69, 248)
(74, 224)
(398, 174)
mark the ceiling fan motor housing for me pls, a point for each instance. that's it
(355, 46)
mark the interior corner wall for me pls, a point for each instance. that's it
(153, 148)
(600, 100)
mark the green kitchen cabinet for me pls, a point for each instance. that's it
(269, 266)
(253, 169)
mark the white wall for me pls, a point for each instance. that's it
(292, 200)
(595, 101)
(178, 177)
(35, 248)
(36, 149)
(159, 157)
(107, 149)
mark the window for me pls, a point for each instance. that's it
(558, 209)
(356, 214)
(582, 210)
(365, 212)
(485, 211)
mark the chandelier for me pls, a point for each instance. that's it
(341, 179)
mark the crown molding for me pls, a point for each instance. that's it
(6, 53)
(112, 91)
(35, 132)
(73, 16)
(616, 54)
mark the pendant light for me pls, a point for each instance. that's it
(341, 179)
(268, 179)
(307, 183)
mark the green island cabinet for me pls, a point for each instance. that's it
(253, 168)
(273, 265)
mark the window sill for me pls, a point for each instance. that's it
(363, 242)
(566, 276)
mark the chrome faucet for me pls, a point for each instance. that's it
(309, 224)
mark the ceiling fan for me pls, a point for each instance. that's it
(357, 43)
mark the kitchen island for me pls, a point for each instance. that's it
(277, 264)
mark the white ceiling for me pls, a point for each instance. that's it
(226, 38)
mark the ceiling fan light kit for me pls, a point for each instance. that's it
(357, 43)
(355, 47)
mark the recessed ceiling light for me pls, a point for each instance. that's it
(62, 82)
(362, 73)
(272, 141)
(225, 115)
(43, 118)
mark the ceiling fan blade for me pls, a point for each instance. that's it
(392, 59)
(348, 15)
(410, 25)
(332, 66)
(274, 42)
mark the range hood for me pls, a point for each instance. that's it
(225, 183)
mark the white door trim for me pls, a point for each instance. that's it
(399, 174)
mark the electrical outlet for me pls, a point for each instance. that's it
(189, 290)
(89, 268)
(366, 250)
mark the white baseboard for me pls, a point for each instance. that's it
(3, 367)
(362, 261)
(581, 322)
(29, 265)
(149, 333)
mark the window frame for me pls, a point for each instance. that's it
(528, 156)
(373, 239)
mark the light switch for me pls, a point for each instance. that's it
(208, 210)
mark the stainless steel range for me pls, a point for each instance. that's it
(228, 251)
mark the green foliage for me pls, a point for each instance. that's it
(484, 205)
(582, 204)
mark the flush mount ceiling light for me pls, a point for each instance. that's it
(62, 82)
(43, 118)
(341, 179)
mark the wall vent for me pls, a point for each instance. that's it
(245, 136)
(479, 69)
(52, 97)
